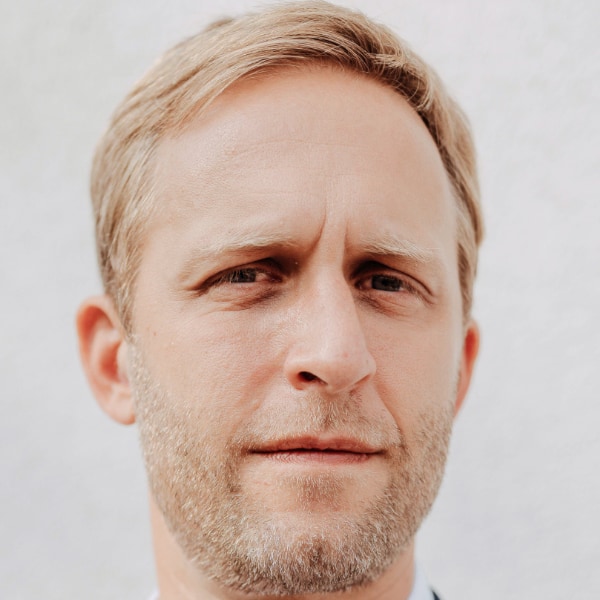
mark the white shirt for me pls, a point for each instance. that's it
(420, 591)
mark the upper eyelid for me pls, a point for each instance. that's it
(371, 268)
(222, 276)
(274, 266)
(413, 284)
(408, 282)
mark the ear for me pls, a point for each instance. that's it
(470, 350)
(103, 350)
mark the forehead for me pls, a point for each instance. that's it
(321, 108)
(291, 150)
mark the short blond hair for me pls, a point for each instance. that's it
(193, 73)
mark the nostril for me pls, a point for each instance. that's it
(306, 376)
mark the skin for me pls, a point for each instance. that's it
(302, 261)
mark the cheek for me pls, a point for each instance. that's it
(416, 372)
(216, 361)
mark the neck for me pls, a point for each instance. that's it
(178, 579)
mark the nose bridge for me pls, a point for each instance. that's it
(330, 347)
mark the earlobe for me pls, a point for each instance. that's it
(470, 350)
(103, 350)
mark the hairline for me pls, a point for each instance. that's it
(197, 112)
(402, 71)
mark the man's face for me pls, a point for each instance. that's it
(298, 335)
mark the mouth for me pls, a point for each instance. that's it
(327, 451)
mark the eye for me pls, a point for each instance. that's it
(248, 275)
(389, 290)
(244, 285)
(388, 283)
(244, 275)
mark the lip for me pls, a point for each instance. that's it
(311, 445)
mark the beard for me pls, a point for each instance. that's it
(195, 470)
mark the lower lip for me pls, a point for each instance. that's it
(319, 457)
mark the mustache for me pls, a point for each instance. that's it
(316, 416)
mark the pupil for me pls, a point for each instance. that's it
(386, 283)
(246, 276)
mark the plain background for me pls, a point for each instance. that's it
(518, 515)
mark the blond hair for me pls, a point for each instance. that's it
(193, 73)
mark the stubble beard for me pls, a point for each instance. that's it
(241, 544)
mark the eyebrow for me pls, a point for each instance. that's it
(391, 244)
(248, 242)
(235, 242)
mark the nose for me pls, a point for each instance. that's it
(328, 348)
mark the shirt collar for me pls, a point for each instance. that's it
(421, 589)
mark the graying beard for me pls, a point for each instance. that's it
(242, 549)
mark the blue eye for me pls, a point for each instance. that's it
(387, 283)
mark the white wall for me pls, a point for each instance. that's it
(518, 514)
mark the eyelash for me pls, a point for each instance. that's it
(228, 276)
(402, 283)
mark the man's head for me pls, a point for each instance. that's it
(191, 75)
(287, 223)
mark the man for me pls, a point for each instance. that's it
(287, 223)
